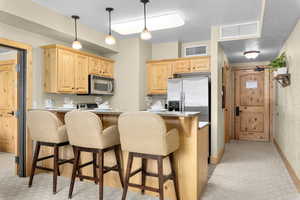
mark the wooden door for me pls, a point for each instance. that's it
(8, 106)
(201, 64)
(252, 105)
(94, 66)
(158, 75)
(182, 66)
(81, 74)
(66, 71)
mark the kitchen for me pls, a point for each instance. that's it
(87, 68)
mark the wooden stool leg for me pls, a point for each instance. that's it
(144, 170)
(74, 171)
(118, 159)
(79, 170)
(100, 163)
(95, 167)
(161, 177)
(55, 171)
(34, 162)
(128, 170)
(172, 164)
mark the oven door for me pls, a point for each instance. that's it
(101, 86)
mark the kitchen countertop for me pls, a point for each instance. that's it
(116, 112)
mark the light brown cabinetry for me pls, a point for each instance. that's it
(158, 75)
(67, 70)
(160, 71)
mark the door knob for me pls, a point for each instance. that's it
(11, 113)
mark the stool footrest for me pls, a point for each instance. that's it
(108, 169)
(136, 172)
(45, 158)
(44, 168)
(143, 187)
(85, 164)
(64, 161)
(87, 177)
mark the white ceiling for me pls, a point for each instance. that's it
(199, 15)
(279, 20)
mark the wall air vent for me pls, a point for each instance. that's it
(239, 31)
(195, 50)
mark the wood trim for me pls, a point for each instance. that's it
(217, 159)
(243, 68)
(289, 167)
(28, 49)
(75, 51)
(177, 59)
(8, 62)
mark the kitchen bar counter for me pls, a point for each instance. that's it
(191, 157)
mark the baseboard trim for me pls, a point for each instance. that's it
(217, 159)
(289, 167)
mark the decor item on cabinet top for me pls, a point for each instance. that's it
(157, 106)
(279, 65)
(104, 106)
(109, 39)
(76, 44)
(145, 34)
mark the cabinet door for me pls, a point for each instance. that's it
(107, 69)
(200, 64)
(94, 64)
(66, 71)
(81, 74)
(182, 66)
(158, 74)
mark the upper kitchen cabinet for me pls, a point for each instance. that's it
(158, 75)
(67, 70)
(160, 71)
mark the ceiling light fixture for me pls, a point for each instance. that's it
(145, 34)
(251, 54)
(110, 40)
(154, 23)
(76, 44)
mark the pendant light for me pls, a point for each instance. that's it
(145, 34)
(76, 44)
(110, 40)
(251, 54)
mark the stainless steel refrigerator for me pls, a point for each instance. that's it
(192, 93)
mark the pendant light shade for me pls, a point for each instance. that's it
(145, 34)
(251, 54)
(76, 44)
(109, 39)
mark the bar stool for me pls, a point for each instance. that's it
(86, 134)
(144, 135)
(47, 130)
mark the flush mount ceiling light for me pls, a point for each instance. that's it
(110, 40)
(145, 34)
(76, 44)
(154, 23)
(251, 54)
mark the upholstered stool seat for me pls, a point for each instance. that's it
(144, 135)
(47, 130)
(86, 134)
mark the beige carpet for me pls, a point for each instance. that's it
(250, 170)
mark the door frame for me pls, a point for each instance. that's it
(24, 142)
(269, 104)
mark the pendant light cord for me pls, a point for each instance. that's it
(75, 29)
(145, 18)
(109, 22)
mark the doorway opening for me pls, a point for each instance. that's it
(13, 109)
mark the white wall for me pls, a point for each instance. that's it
(167, 50)
(218, 58)
(36, 41)
(130, 74)
(287, 119)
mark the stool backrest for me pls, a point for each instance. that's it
(43, 126)
(142, 132)
(84, 128)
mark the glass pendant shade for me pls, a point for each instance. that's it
(251, 54)
(110, 40)
(76, 44)
(146, 34)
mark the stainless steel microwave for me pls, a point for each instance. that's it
(100, 85)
